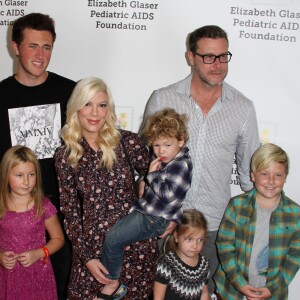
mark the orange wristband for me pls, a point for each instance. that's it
(46, 255)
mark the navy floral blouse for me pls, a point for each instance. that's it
(92, 200)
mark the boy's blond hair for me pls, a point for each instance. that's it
(268, 154)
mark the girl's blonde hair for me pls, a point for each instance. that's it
(13, 157)
(108, 136)
(192, 220)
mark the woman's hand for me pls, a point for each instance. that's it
(170, 228)
(98, 271)
(8, 259)
(28, 258)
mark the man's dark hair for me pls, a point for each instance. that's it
(34, 21)
(209, 31)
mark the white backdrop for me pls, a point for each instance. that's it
(146, 51)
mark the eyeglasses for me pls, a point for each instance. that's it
(210, 58)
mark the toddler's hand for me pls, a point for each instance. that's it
(155, 165)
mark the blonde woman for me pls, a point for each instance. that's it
(95, 175)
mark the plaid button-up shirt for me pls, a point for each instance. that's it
(235, 239)
(166, 188)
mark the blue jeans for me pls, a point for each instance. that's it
(132, 228)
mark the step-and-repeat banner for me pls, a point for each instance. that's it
(139, 46)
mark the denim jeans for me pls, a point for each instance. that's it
(132, 228)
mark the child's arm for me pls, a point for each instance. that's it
(141, 188)
(205, 293)
(159, 291)
(56, 234)
(290, 261)
(227, 244)
(56, 241)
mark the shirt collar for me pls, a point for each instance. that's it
(184, 87)
(283, 203)
(86, 146)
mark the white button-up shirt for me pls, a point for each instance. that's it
(230, 128)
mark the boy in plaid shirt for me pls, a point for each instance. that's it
(259, 237)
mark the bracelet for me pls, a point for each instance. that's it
(46, 255)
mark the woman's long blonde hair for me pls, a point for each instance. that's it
(71, 133)
(12, 157)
